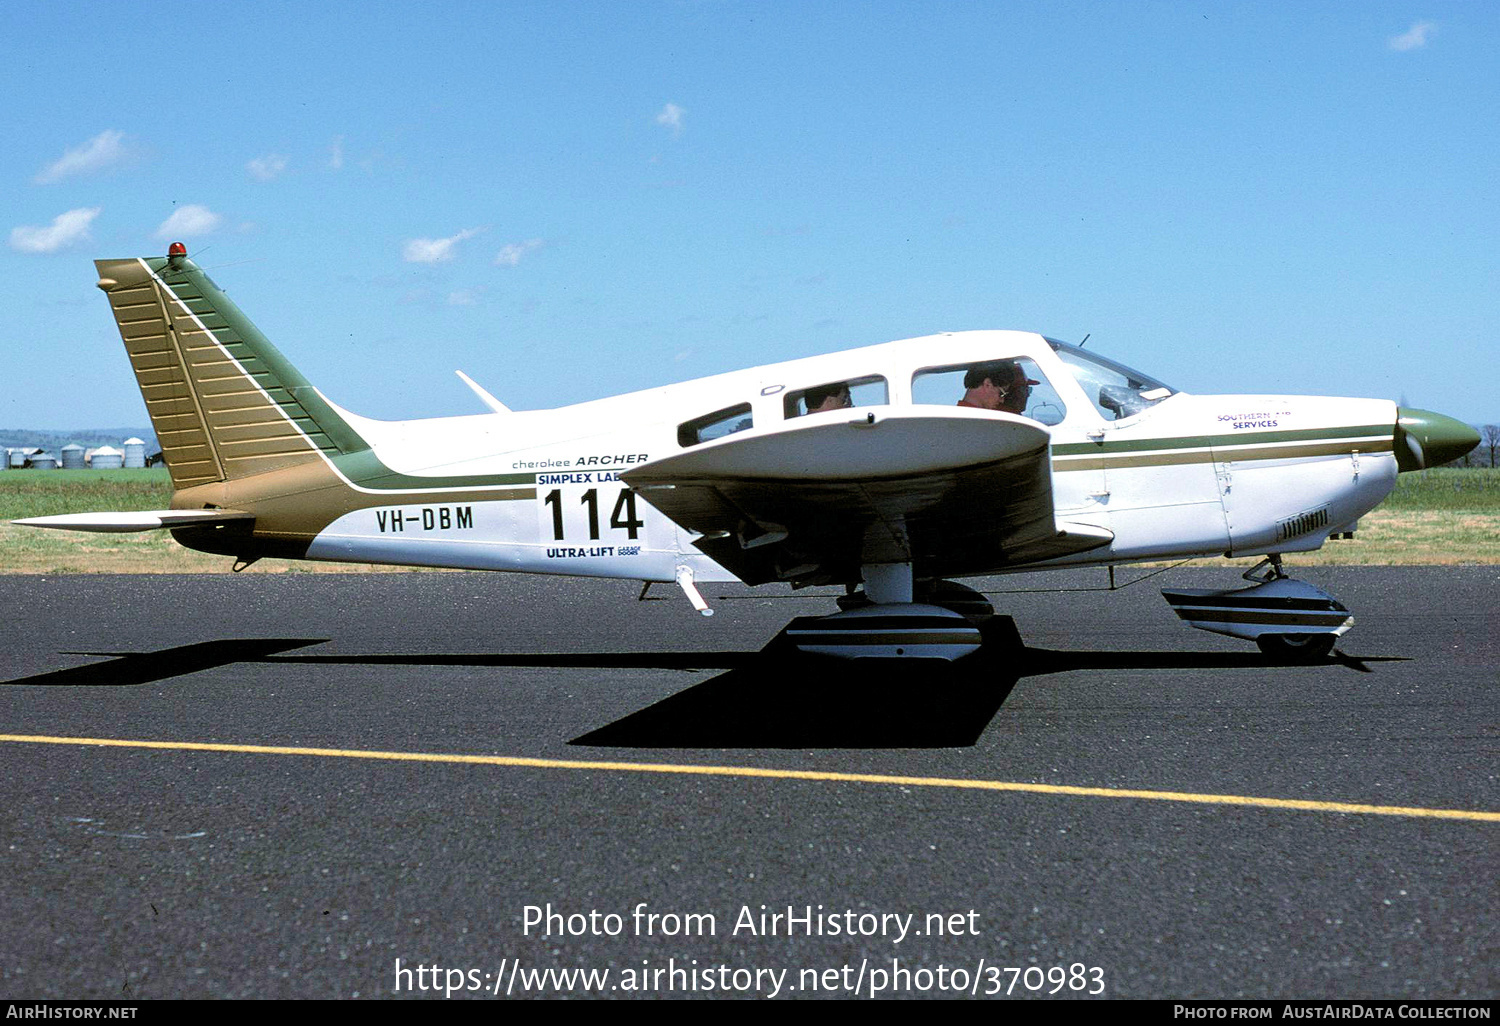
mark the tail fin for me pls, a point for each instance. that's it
(224, 403)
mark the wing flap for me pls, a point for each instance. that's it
(140, 520)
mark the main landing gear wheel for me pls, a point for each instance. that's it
(1301, 648)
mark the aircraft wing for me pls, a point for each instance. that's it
(953, 492)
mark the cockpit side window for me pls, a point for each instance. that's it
(1009, 385)
(837, 395)
(1115, 390)
(715, 425)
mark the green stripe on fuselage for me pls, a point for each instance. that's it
(365, 470)
(1112, 446)
(1238, 455)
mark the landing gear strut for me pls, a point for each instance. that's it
(1267, 570)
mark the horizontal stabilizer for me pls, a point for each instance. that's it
(142, 520)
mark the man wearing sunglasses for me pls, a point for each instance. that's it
(999, 385)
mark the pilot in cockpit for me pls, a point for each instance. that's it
(999, 385)
(833, 396)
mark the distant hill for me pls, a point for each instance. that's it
(89, 438)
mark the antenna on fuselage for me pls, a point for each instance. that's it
(494, 404)
(1085, 340)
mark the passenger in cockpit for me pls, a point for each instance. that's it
(999, 385)
(834, 396)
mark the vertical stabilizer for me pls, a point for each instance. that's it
(224, 403)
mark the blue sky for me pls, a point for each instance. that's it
(570, 200)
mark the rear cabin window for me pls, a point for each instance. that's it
(837, 395)
(715, 425)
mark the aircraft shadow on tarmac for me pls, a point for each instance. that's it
(774, 698)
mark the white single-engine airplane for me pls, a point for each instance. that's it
(896, 467)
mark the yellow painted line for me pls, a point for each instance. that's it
(775, 774)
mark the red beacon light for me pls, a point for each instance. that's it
(176, 254)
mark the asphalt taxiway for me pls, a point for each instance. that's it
(310, 777)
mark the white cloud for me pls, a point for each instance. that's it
(188, 220)
(102, 152)
(66, 230)
(435, 251)
(464, 297)
(511, 253)
(671, 117)
(266, 168)
(336, 153)
(1413, 38)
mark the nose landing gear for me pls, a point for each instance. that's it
(1287, 619)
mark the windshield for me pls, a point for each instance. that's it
(1116, 390)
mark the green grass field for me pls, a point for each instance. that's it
(41, 493)
(1442, 516)
(1475, 490)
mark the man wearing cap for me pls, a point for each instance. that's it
(999, 385)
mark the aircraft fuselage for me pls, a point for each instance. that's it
(541, 491)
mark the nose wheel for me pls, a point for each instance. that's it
(1289, 620)
(1297, 648)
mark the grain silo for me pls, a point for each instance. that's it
(135, 452)
(72, 457)
(108, 458)
(43, 461)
